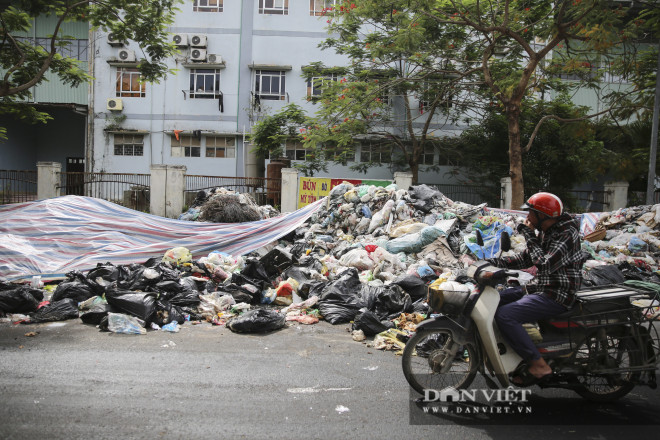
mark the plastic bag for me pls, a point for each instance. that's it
(413, 243)
(56, 311)
(140, 305)
(20, 300)
(603, 275)
(340, 300)
(381, 217)
(177, 256)
(167, 313)
(369, 323)
(276, 261)
(124, 324)
(357, 258)
(75, 289)
(257, 321)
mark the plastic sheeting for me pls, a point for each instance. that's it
(54, 236)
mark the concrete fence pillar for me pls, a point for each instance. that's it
(617, 196)
(157, 190)
(507, 193)
(289, 190)
(48, 180)
(175, 190)
(403, 180)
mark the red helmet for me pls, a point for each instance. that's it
(546, 203)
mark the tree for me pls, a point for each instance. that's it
(23, 64)
(523, 47)
(563, 156)
(395, 94)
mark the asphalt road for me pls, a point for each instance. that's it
(303, 382)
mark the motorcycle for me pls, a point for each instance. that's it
(602, 348)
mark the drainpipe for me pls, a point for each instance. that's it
(89, 140)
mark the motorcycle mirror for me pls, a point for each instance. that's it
(480, 239)
(505, 241)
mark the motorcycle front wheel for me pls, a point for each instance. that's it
(428, 363)
(608, 362)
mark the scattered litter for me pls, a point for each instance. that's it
(341, 409)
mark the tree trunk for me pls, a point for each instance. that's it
(515, 157)
(414, 169)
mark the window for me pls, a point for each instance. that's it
(270, 84)
(295, 150)
(186, 146)
(429, 94)
(337, 154)
(129, 144)
(316, 6)
(220, 146)
(76, 49)
(207, 5)
(128, 83)
(316, 83)
(205, 83)
(280, 7)
(428, 155)
(374, 152)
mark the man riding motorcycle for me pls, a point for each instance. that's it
(555, 251)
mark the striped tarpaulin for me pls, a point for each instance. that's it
(54, 236)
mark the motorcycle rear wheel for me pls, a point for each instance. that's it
(609, 380)
(423, 354)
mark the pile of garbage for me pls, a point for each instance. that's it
(366, 258)
(220, 205)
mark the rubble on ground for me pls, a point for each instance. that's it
(366, 258)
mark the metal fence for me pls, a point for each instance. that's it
(590, 200)
(264, 190)
(17, 186)
(130, 190)
(472, 194)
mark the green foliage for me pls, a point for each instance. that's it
(272, 131)
(563, 154)
(24, 64)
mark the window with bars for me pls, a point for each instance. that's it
(220, 146)
(428, 96)
(278, 7)
(129, 145)
(186, 146)
(207, 5)
(316, 84)
(375, 152)
(129, 84)
(205, 83)
(270, 84)
(316, 6)
(428, 156)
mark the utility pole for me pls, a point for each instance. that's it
(650, 185)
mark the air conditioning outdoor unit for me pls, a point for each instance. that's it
(198, 40)
(114, 41)
(180, 40)
(115, 104)
(214, 58)
(126, 55)
(198, 54)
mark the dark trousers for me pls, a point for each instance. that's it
(516, 308)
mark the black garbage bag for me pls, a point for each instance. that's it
(369, 296)
(424, 193)
(241, 280)
(392, 300)
(308, 289)
(255, 270)
(168, 288)
(56, 311)
(20, 300)
(413, 285)
(140, 278)
(240, 294)
(421, 306)
(167, 273)
(276, 261)
(6, 285)
(75, 290)
(95, 314)
(369, 323)
(257, 321)
(167, 312)
(141, 305)
(193, 283)
(298, 249)
(187, 298)
(300, 274)
(108, 272)
(603, 275)
(340, 300)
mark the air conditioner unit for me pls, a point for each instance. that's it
(126, 55)
(114, 41)
(198, 40)
(214, 58)
(198, 54)
(115, 104)
(180, 40)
